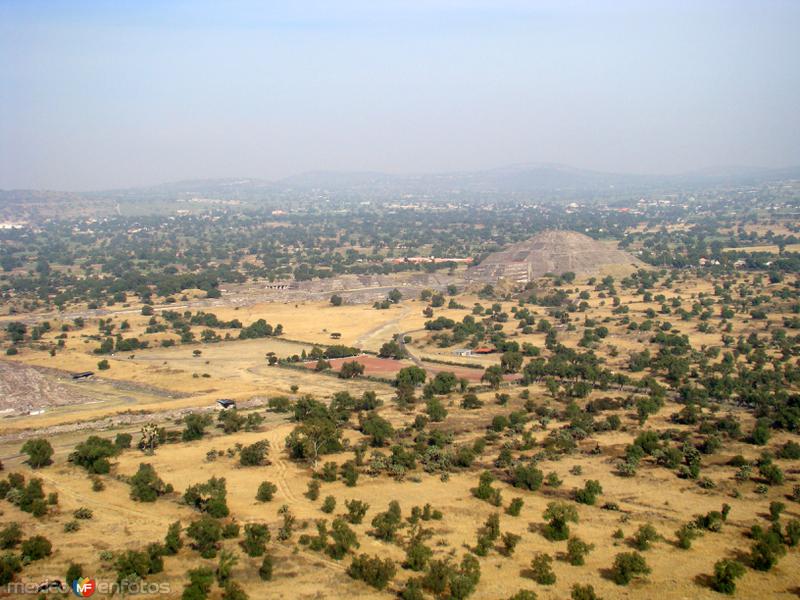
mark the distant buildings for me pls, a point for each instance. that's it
(427, 259)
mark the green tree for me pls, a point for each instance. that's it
(493, 376)
(436, 410)
(628, 565)
(351, 369)
(577, 550)
(559, 515)
(39, 452)
(372, 570)
(726, 572)
(146, 486)
(255, 454)
(378, 428)
(412, 375)
(93, 454)
(266, 491)
(542, 570)
(195, 426)
(206, 533)
(256, 536)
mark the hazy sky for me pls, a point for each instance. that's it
(115, 93)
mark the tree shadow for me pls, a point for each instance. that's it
(608, 574)
(703, 580)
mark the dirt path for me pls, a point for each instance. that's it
(386, 325)
(102, 501)
(414, 358)
(277, 444)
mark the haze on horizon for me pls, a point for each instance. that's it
(95, 95)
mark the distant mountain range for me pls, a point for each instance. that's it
(556, 180)
(531, 178)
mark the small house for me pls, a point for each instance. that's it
(225, 404)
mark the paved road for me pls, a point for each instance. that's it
(400, 340)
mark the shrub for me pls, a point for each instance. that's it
(349, 473)
(767, 549)
(343, 538)
(541, 569)
(461, 581)
(436, 410)
(83, 513)
(123, 440)
(775, 510)
(387, 523)
(36, 548)
(206, 533)
(266, 491)
(725, 574)
(510, 541)
(329, 470)
(200, 581)
(195, 426)
(254, 454)
(589, 493)
(628, 565)
(74, 571)
(328, 505)
(577, 550)
(208, 497)
(559, 515)
(372, 570)
(172, 541)
(230, 530)
(93, 454)
(233, 591)
(146, 486)
(685, 534)
(523, 595)
(527, 477)
(313, 490)
(485, 491)
(265, 570)
(256, 536)
(515, 507)
(583, 592)
(71, 526)
(471, 401)
(552, 480)
(792, 535)
(133, 565)
(644, 536)
(412, 590)
(417, 555)
(39, 452)
(31, 497)
(487, 534)
(279, 404)
(771, 473)
(711, 521)
(790, 450)
(356, 509)
(9, 565)
(10, 536)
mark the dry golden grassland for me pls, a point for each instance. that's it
(239, 370)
